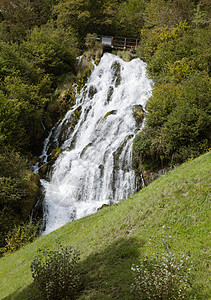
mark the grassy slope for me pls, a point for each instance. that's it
(113, 238)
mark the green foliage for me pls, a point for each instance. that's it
(13, 64)
(164, 274)
(21, 235)
(20, 16)
(21, 110)
(156, 39)
(162, 103)
(130, 18)
(18, 192)
(51, 49)
(200, 16)
(87, 16)
(163, 13)
(178, 121)
(56, 274)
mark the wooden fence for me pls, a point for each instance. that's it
(121, 43)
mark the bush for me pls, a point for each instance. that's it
(21, 235)
(56, 273)
(163, 275)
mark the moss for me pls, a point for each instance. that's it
(85, 148)
(43, 171)
(125, 55)
(83, 79)
(92, 91)
(116, 67)
(69, 96)
(57, 108)
(138, 114)
(111, 112)
(118, 151)
(110, 93)
(46, 169)
(55, 153)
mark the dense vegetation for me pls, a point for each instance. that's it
(178, 122)
(174, 210)
(40, 41)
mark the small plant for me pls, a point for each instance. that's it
(163, 275)
(56, 273)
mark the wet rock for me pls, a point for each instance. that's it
(92, 91)
(116, 67)
(110, 93)
(103, 206)
(112, 112)
(138, 114)
(85, 148)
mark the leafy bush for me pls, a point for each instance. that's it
(56, 274)
(18, 192)
(21, 235)
(163, 275)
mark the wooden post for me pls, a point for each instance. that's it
(125, 43)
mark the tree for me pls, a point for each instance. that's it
(51, 49)
(19, 16)
(168, 13)
(87, 16)
(130, 18)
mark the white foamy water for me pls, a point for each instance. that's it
(96, 167)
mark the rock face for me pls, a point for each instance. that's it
(138, 114)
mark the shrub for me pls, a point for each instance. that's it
(163, 275)
(21, 235)
(56, 274)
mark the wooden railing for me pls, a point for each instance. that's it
(122, 43)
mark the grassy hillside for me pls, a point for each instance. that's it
(110, 241)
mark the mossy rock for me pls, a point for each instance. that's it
(118, 151)
(138, 114)
(116, 67)
(85, 148)
(55, 153)
(43, 171)
(103, 206)
(83, 79)
(97, 61)
(92, 91)
(110, 93)
(34, 178)
(111, 112)
(69, 97)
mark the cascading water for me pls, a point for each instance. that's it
(95, 167)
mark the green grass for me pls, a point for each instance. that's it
(110, 241)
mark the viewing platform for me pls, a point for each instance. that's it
(120, 43)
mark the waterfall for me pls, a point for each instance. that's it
(95, 166)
